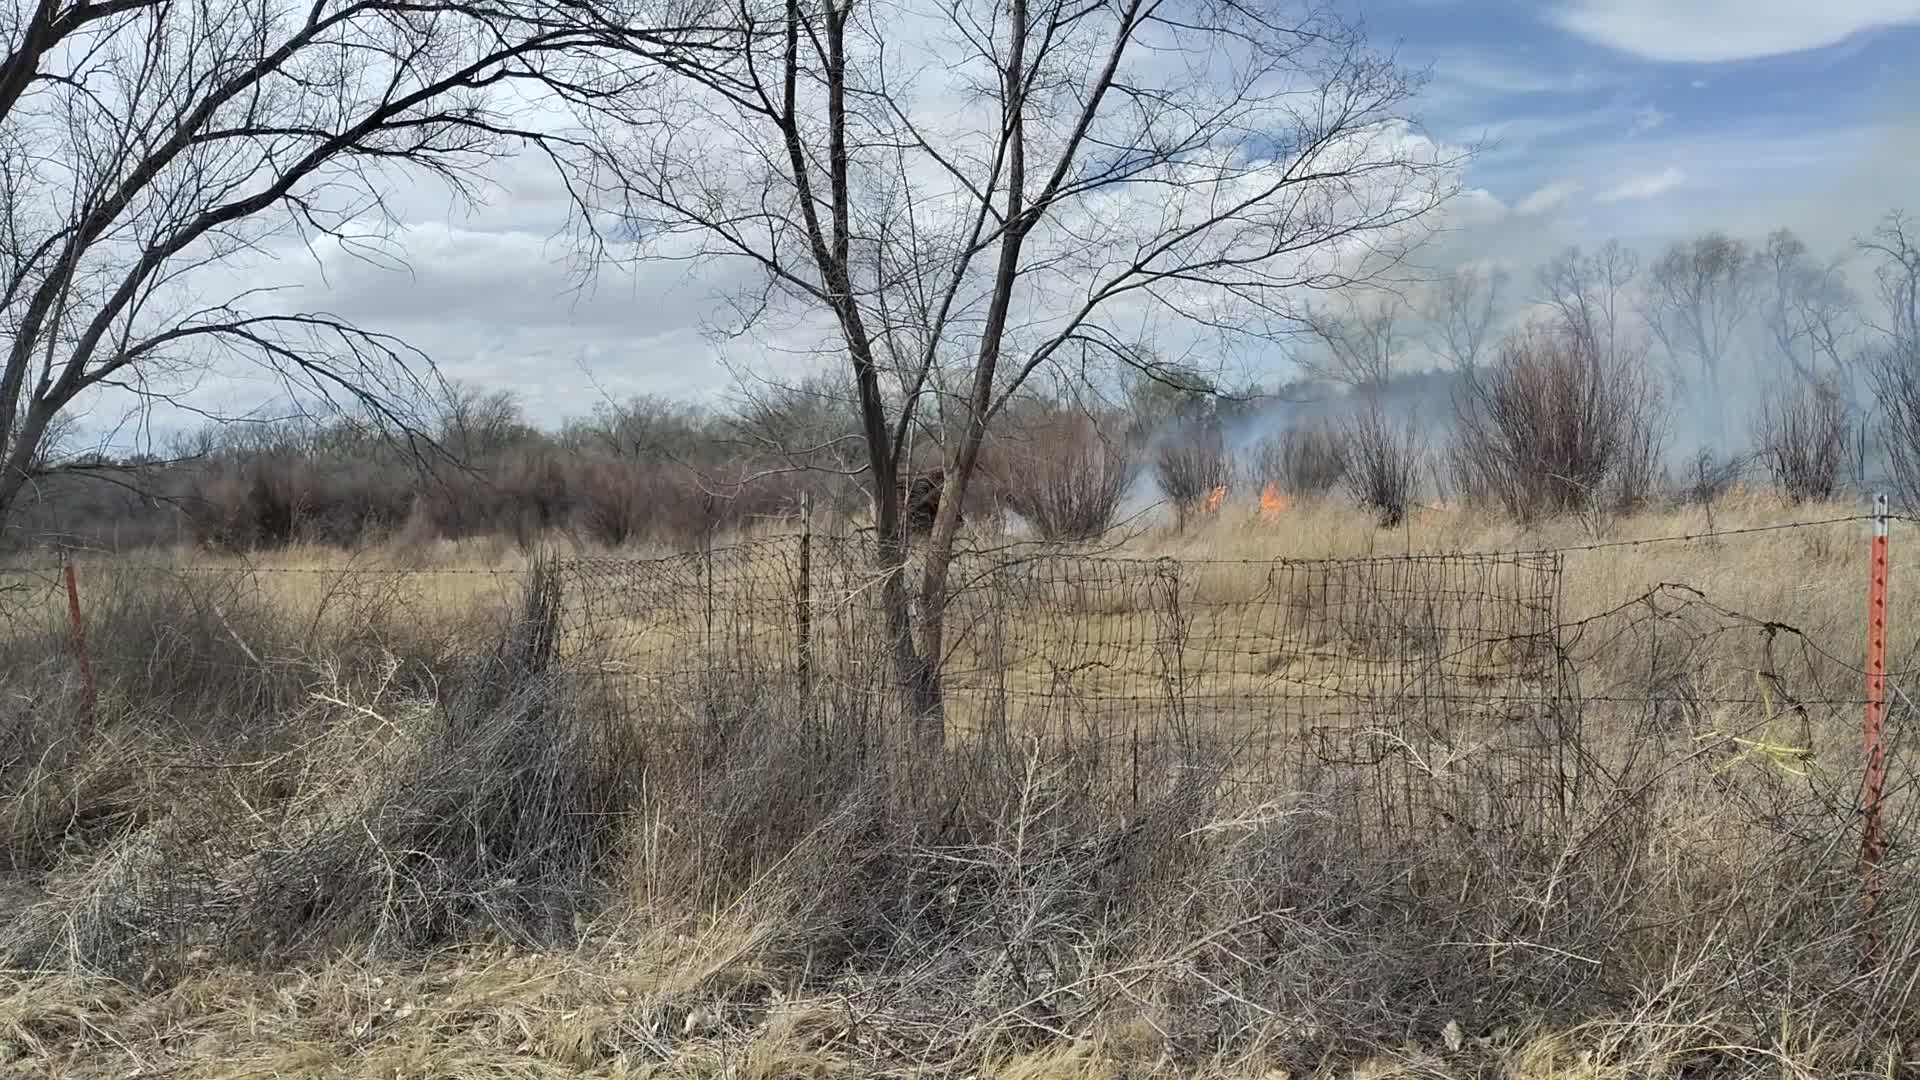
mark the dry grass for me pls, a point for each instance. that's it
(346, 822)
(610, 1013)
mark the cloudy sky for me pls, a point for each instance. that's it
(1642, 119)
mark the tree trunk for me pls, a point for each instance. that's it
(20, 454)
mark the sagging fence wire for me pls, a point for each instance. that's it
(1262, 658)
(1510, 737)
(1433, 692)
(1421, 694)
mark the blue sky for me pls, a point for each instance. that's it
(1646, 120)
(1639, 118)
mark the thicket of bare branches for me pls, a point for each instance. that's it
(1893, 364)
(1553, 426)
(1067, 476)
(1803, 434)
(1707, 477)
(1460, 312)
(1895, 375)
(1191, 464)
(1303, 461)
(1384, 454)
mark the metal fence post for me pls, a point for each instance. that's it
(803, 607)
(1873, 782)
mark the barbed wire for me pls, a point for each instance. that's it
(1432, 682)
(125, 566)
(1007, 554)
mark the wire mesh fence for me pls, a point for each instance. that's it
(1260, 662)
(1516, 707)
(1482, 788)
(1421, 688)
(1415, 692)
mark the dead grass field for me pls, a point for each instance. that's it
(331, 819)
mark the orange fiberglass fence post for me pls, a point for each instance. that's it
(88, 696)
(1873, 782)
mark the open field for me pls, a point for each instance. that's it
(1582, 815)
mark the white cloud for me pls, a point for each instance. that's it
(1478, 70)
(1603, 121)
(1549, 198)
(1710, 31)
(1645, 186)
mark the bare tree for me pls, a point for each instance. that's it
(642, 426)
(1892, 363)
(1360, 339)
(1698, 294)
(473, 421)
(1591, 294)
(1460, 311)
(1895, 246)
(971, 192)
(157, 155)
(1810, 310)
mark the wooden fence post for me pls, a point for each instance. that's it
(88, 696)
(1873, 782)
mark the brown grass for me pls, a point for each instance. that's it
(348, 822)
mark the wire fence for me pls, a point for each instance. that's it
(1419, 692)
(1562, 764)
(1427, 691)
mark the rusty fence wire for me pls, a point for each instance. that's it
(1415, 692)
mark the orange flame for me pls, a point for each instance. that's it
(1273, 503)
(1216, 498)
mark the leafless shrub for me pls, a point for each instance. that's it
(1802, 434)
(276, 499)
(1707, 477)
(610, 499)
(1635, 480)
(1554, 425)
(1191, 464)
(1895, 374)
(1383, 462)
(1302, 461)
(1067, 478)
(614, 506)
(493, 809)
(621, 501)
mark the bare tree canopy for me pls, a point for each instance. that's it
(973, 191)
(1809, 312)
(1460, 311)
(1697, 296)
(1590, 295)
(1894, 245)
(156, 154)
(1360, 340)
